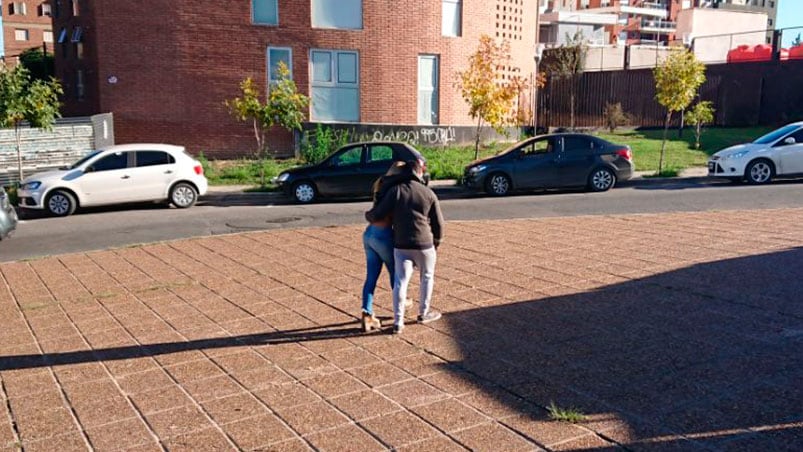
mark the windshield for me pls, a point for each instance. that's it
(775, 135)
(84, 159)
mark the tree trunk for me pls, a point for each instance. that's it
(699, 133)
(663, 143)
(18, 140)
(571, 106)
(477, 139)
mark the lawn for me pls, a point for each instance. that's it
(680, 152)
(449, 162)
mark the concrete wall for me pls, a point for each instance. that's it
(69, 140)
(716, 31)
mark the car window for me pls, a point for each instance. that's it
(798, 136)
(84, 159)
(380, 153)
(775, 135)
(116, 161)
(152, 158)
(537, 147)
(349, 157)
(577, 145)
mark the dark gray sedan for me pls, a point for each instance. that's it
(552, 161)
(8, 216)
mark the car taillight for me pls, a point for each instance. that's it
(199, 170)
(625, 153)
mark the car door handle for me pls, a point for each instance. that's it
(126, 177)
(169, 172)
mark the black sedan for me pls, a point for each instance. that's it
(348, 172)
(552, 161)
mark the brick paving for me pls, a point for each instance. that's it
(675, 331)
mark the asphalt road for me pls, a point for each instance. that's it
(222, 214)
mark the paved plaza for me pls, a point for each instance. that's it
(677, 331)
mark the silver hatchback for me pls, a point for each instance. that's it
(8, 216)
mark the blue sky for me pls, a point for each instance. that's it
(790, 14)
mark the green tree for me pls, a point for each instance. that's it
(702, 113)
(284, 108)
(25, 99)
(490, 98)
(568, 62)
(677, 80)
(40, 64)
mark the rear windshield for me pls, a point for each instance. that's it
(776, 135)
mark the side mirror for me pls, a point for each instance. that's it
(790, 140)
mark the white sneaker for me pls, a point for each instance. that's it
(430, 316)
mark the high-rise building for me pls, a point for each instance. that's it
(165, 76)
(26, 24)
(768, 7)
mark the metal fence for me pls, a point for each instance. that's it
(746, 94)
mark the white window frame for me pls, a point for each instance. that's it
(459, 4)
(17, 32)
(45, 36)
(265, 24)
(314, 25)
(435, 88)
(289, 65)
(334, 83)
(46, 9)
(18, 9)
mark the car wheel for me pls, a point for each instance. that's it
(183, 195)
(759, 172)
(61, 203)
(497, 184)
(601, 179)
(304, 192)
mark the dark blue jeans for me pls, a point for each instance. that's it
(378, 244)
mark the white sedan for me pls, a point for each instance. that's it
(778, 153)
(119, 174)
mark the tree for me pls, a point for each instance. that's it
(40, 64)
(677, 80)
(24, 99)
(614, 116)
(490, 99)
(568, 62)
(284, 108)
(702, 113)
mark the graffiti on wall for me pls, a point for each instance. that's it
(424, 135)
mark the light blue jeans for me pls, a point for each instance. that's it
(378, 244)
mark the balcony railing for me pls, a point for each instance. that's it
(658, 24)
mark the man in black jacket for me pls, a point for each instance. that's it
(417, 232)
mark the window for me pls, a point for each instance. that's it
(349, 157)
(17, 8)
(21, 34)
(577, 145)
(427, 89)
(337, 14)
(153, 158)
(452, 20)
(80, 88)
(47, 36)
(335, 85)
(116, 161)
(63, 36)
(265, 12)
(45, 9)
(76, 8)
(380, 153)
(542, 146)
(278, 55)
(77, 34)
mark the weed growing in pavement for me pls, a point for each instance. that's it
(572, 415)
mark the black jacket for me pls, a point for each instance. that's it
(417, 218)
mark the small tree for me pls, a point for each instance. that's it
(568, 62)
(614, 116)
(489, 98)
(40, 64)
(677, 80)
(284, 108)
(24, 99)
(702, 113)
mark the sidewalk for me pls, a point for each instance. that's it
(447, 184)
(672, 331)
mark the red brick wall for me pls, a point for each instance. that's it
(176, 61)
(32, 21)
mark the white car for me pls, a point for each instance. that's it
(119, 174)
(778, 153)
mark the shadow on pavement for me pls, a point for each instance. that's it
(708, 356)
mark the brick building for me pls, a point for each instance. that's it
(165, 67)
(25, 24)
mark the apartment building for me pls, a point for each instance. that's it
(25, 24)
(165, 76)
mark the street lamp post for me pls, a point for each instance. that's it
(539, 53)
